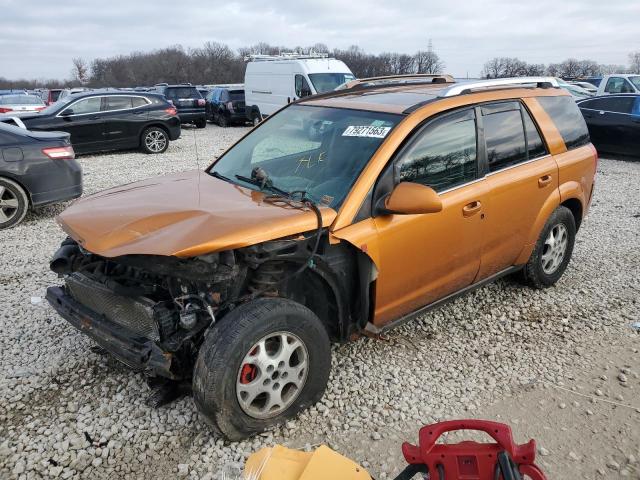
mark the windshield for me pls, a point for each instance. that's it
(318, 150)
(636, 81)
(326, 82)
(20, 100)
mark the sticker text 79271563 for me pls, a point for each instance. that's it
(365, 131)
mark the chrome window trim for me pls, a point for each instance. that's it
(59, 114)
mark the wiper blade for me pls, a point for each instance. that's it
(263, 185)
(221, 177)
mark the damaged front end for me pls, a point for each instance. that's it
(149, 311)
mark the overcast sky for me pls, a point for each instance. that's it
(38, 38)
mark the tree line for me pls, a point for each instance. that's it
(501, 67)
(218, 63)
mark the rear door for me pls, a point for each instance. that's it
(124, 117)
(521, 176)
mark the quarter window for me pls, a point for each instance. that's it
(567, 118)
(444, 155)
(504, 135)
(87, 105)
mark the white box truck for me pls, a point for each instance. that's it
(273, 81)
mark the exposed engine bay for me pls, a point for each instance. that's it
(151, 311)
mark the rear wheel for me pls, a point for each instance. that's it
(14, 203)
(202, 123)
(223, 121)
(553, 250)
(154, 140)
(266, 361)
(256, 118)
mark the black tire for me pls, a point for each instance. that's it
(217, 371)
(256, 118)
(534, 273)
(223, 121)
(154, 140)
(14, 203)
(202, 123)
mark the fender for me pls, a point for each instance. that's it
(572, 189)
(545, 212)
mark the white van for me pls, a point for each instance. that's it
(273, 81)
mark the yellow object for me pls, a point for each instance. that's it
(281, 463)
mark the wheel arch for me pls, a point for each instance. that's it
(14, 179)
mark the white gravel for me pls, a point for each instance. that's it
(68, 412)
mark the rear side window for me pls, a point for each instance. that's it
(568, 120)
(618, 85)
(444, 155)
(535, 145)
(617, 104)
(504, 134)
(117, 102)
(139, 102)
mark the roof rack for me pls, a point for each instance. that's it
(283, 56)
(470, 87)
(390, 80)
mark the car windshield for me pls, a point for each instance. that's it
(326, 82)
(20, 100)
(318, 150)
(636, 81)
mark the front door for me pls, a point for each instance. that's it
(423, 258)
(83, 120)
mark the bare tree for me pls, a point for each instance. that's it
(634, 62)
(501, 67)
(80, 71)
(428, 62)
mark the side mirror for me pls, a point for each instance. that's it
(410, 198)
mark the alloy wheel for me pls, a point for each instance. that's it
(155, 141)
(555, 248)
(272, 375)
(9, 204)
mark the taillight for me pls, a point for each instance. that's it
(230, 106)
(5, 109)
(201, 102)
(171, 111)
(60, 153)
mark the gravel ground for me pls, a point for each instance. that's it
(69, 412)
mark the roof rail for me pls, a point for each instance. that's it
(283, 56)
(388, 80)
(470, 87)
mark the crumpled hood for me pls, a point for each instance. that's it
(185, 214)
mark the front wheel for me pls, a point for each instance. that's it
(223, 121)
(202, 123)
(154, 140)
(553, 250)
(265, 362)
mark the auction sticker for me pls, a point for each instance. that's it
(366, 131)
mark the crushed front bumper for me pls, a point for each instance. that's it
(132, 349)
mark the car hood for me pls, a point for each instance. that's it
(185, 215)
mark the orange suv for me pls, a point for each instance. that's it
(344, 212)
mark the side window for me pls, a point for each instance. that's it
(87, 105)
(567, 118)
(139, 102)
(117, 102)
(618, 85)
(504, 135)
(302, 87)
(618, 104)
(535, 146)
(444, 154)
(595, 104)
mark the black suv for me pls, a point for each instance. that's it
(108, 120)
(187, 100)
(225, 105)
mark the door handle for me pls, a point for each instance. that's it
(471, 208)
(601, 112)
(544, 181)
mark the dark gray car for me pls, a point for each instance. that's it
(36, 168)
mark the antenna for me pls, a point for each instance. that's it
(195, 144)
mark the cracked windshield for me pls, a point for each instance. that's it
(316, 150)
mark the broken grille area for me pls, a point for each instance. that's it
(136, 315)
